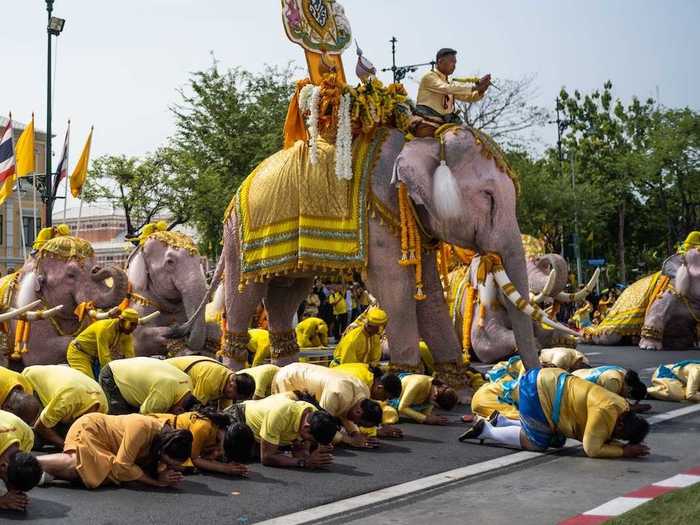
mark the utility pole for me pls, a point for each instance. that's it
(46, 196)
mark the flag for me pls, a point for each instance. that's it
(79, 175)
(590, 237)
(7, 162)
(62, 168)
(24, 151)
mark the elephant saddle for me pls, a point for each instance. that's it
(294, 215)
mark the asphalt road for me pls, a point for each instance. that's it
(271, 492)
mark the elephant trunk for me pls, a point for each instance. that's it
(191, 298)
(114, 295)
(513, 257)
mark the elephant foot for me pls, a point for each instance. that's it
(650, 344)
(283, 348)
(234, 349)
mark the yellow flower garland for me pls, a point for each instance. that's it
(411, 244)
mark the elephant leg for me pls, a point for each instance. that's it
(436, 329)
(652, 334)
(239, 305)
(282, 302)
(394, 287)
(492, 340)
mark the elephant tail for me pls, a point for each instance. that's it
(181, 331)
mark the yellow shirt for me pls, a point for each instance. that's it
(560, 357)
(336, 393)
(9, 380)
(588, 412)
(356, 346)
(151, 384)
(65, 394)
(204, 432)
(263, 376)
(685, 388)
(337, 300)
(360, 371)
(439, 94)
(612, 380)
(208, 376)
(312, 332)
(103, 340)
(14, 431)
(415, 390)
(276, 419)
(486, 399)
(259, 344)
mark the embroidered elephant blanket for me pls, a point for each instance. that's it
(294, 215)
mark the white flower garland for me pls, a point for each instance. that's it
(343, 141)
(312, 122)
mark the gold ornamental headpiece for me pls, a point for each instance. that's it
(66, 247)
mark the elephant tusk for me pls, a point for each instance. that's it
(109, 314)
(581, 294)
(548, 287)
(148, 318)
(43, 314)
(16, 312)
(521, 304)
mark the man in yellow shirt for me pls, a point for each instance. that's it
(568, 359)
(342, 396)
(146, 385)
(312, 332)
(103, 341)
(19, 470)
(554, 405)
(340, 311)
(677, 381)
(435, 102)
(13, 388)
(258, 346)
(263, 375)
(65, 395)
(499, 397)
(618, 380)
(418, 394)
(212, 380)
(362, 344)
(282, 421)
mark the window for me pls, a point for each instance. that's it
(29, 230)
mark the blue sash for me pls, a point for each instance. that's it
(507, 395)
(394, 403)
(495, 374)
(595, 373)
(665, 372)
(534, 422)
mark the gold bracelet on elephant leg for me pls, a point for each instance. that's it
(649, 332)
(398, 368)
(175, 347)
(235, 346)
(453, 374)
(283, 345)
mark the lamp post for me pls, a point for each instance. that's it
(400, 72)
(53, 28)
(561, 126)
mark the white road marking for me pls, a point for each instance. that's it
(616, 506)
(593, 353)
(679, 481)
(355, 503)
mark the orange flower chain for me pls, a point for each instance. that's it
(411, 248)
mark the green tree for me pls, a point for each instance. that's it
(226, 123)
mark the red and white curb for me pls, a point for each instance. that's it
(620, 505)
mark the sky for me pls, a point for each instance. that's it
(119, 65)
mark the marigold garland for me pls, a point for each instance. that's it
(411, 244)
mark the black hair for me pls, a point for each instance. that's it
(177, 444)
(189, 402)
(445, 51)
(245, 386)
(239, 443)
(446, 398)
(23, 472)
(25, 406)
(634, 427)
(637, 389)
(220, 419)
(303, 395)
(371, 412)
(392, 385)
(323, 426)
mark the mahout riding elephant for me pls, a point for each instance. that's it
(662, 309)
(166, 275)
(63, 272)
(481, 320)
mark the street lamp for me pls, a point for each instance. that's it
(54, 28)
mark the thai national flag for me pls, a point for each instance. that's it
(62, 168)
(7, 154)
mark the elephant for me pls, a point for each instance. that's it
(62, 272)
(476, 211)
(166, 275)
(662, 309)
(481, 320)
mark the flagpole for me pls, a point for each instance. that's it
(19, 196)
(65, 198)
(34, 202)
(80, 214)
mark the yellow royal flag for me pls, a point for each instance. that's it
(24, 151)
(79, 175)
(6, 187)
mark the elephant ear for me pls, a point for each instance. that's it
(137, 271)
(29, 289)
(415, 167)
(670, 266)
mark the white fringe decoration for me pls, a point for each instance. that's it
(446, 196)
(343, 141)
(312, 123)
